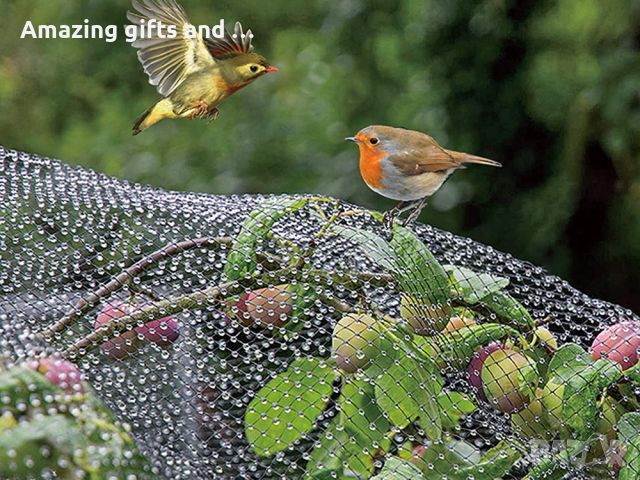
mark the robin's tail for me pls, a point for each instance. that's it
(162, 109)
(466, 158)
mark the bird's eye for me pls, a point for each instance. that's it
(373, 141)
(253, 68)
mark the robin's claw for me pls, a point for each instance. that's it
(212, 114)
(200, 110)
(387, 220)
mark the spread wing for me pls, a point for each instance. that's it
(423, 154)
(167, 59)
(231, 45)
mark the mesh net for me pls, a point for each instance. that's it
(155, 334)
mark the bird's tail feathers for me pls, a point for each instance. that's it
(152, 115)
(466, 158)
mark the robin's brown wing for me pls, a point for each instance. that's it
(167, 60)
(422, 154)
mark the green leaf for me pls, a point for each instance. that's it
(581, 394)
(397, 469)
(555, 467)
(374, 246)
(326, 458)
(364, 422)
(26, 440)
(303, 296)
(509, 310)
(457, 348)
(242, 258)
(629, 431)
(405, 392)
(286, 408)
(453, 406)
(473, 286)
(445, 458)
(412, 265)
(496, 463)
(20, 385)
(420, 274)
(569, 358)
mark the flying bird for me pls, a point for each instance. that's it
(193, 75)
(407, 166)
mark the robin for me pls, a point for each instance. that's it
(407, 166)
(193, 74)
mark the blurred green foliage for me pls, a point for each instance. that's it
(551, 88)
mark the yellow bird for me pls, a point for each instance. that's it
(193, 75)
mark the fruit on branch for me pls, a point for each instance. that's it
(507, 379)
(456, 323)
(546, 339)
(530, 422)
(355, 341)
(476, 364)
(424, 318)
(126, 343)
(163, 331)
(60, 372)
(619, 343)
(266, 307)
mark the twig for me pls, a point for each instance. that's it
(123, 278)
(203, 298)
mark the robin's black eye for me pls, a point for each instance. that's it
(373, 141)
(253, 68)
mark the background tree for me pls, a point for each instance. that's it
(550, 88)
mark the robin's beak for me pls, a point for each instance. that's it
(271, 69)
(351, 139)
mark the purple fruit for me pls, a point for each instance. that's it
(163, 332)
(126, 343)
(475, 366)
(60, 372)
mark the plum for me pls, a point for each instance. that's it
(266, 307)
(424, 318)
(475, 366)
(60, 372)
(355, 341)
(530, 422)
(619, 343)
(456, 323)
(507, 378)
(127, 342)
(163, 331)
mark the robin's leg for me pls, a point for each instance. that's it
(389, 216)
(200, 109)
(415, 212)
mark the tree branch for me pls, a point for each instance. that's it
(86, 303)
(200, 299)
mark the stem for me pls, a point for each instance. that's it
(86, 303)
(200, 299)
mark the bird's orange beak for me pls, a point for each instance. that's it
(271, 69)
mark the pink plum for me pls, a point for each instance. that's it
(163, 332)
(475, 366)
(619, 343)
(60, 372)
(128, 342)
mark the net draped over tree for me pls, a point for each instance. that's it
(157, 334)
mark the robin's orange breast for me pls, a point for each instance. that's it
(371, 168)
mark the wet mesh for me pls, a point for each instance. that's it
(287, 337)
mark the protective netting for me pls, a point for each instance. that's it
(285, 337)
